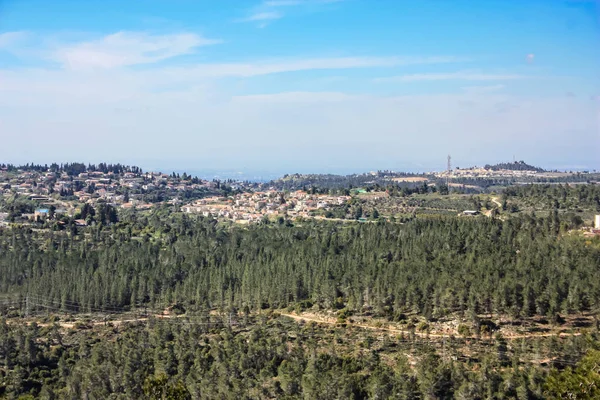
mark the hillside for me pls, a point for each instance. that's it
(379, 292)
(514, 166)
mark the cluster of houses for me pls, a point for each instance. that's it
(251, 207)
(122, 190)
(57, 193)
(481, 172)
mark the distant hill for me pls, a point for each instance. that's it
(514, 166)
(333, 181)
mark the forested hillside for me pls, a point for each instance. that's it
(272, 358)
(521, 266)
(514, 166)
(326, 182)
(161, 304)
(557, 196)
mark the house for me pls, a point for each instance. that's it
(38, 198)
(41, 213)
(80, 222)
(470, 212)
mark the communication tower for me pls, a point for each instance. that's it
(448, 172)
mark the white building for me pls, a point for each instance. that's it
(597, 222)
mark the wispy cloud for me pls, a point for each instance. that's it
(267, 67)
(270, 10)
(10, 39)
(124, 49)
(282, 3)
(286, 3)
(296, 97)
(451, 76)
(262, 16)
(128, 48)
(99, 85)
(483, 89)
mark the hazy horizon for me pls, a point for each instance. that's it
(262, 175)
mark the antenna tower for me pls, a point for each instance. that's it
(448, 172)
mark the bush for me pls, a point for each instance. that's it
(305, 304)
(399, 317)
(339, 303)
(558, 320)
(178, 309)
(464, 330)
(82, 325)
(423, 326)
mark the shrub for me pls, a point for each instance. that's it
(423, 326)
(464, 330)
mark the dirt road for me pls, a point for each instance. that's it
(421, 334)
(321, 320)
(495, 201)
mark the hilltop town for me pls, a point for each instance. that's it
(58, 191)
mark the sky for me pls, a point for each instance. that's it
(287, 86)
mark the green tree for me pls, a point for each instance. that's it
(160, 388)
(583, 382)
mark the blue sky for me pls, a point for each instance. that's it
(300, 85)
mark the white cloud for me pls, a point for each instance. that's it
(282, 3)
(128, 48)
(268, 10)
(35, 87)
(286, 3)
(295, 97)
(483, 89)
(8, 40)
(263, 16)
(456, 76)
(266, 67)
